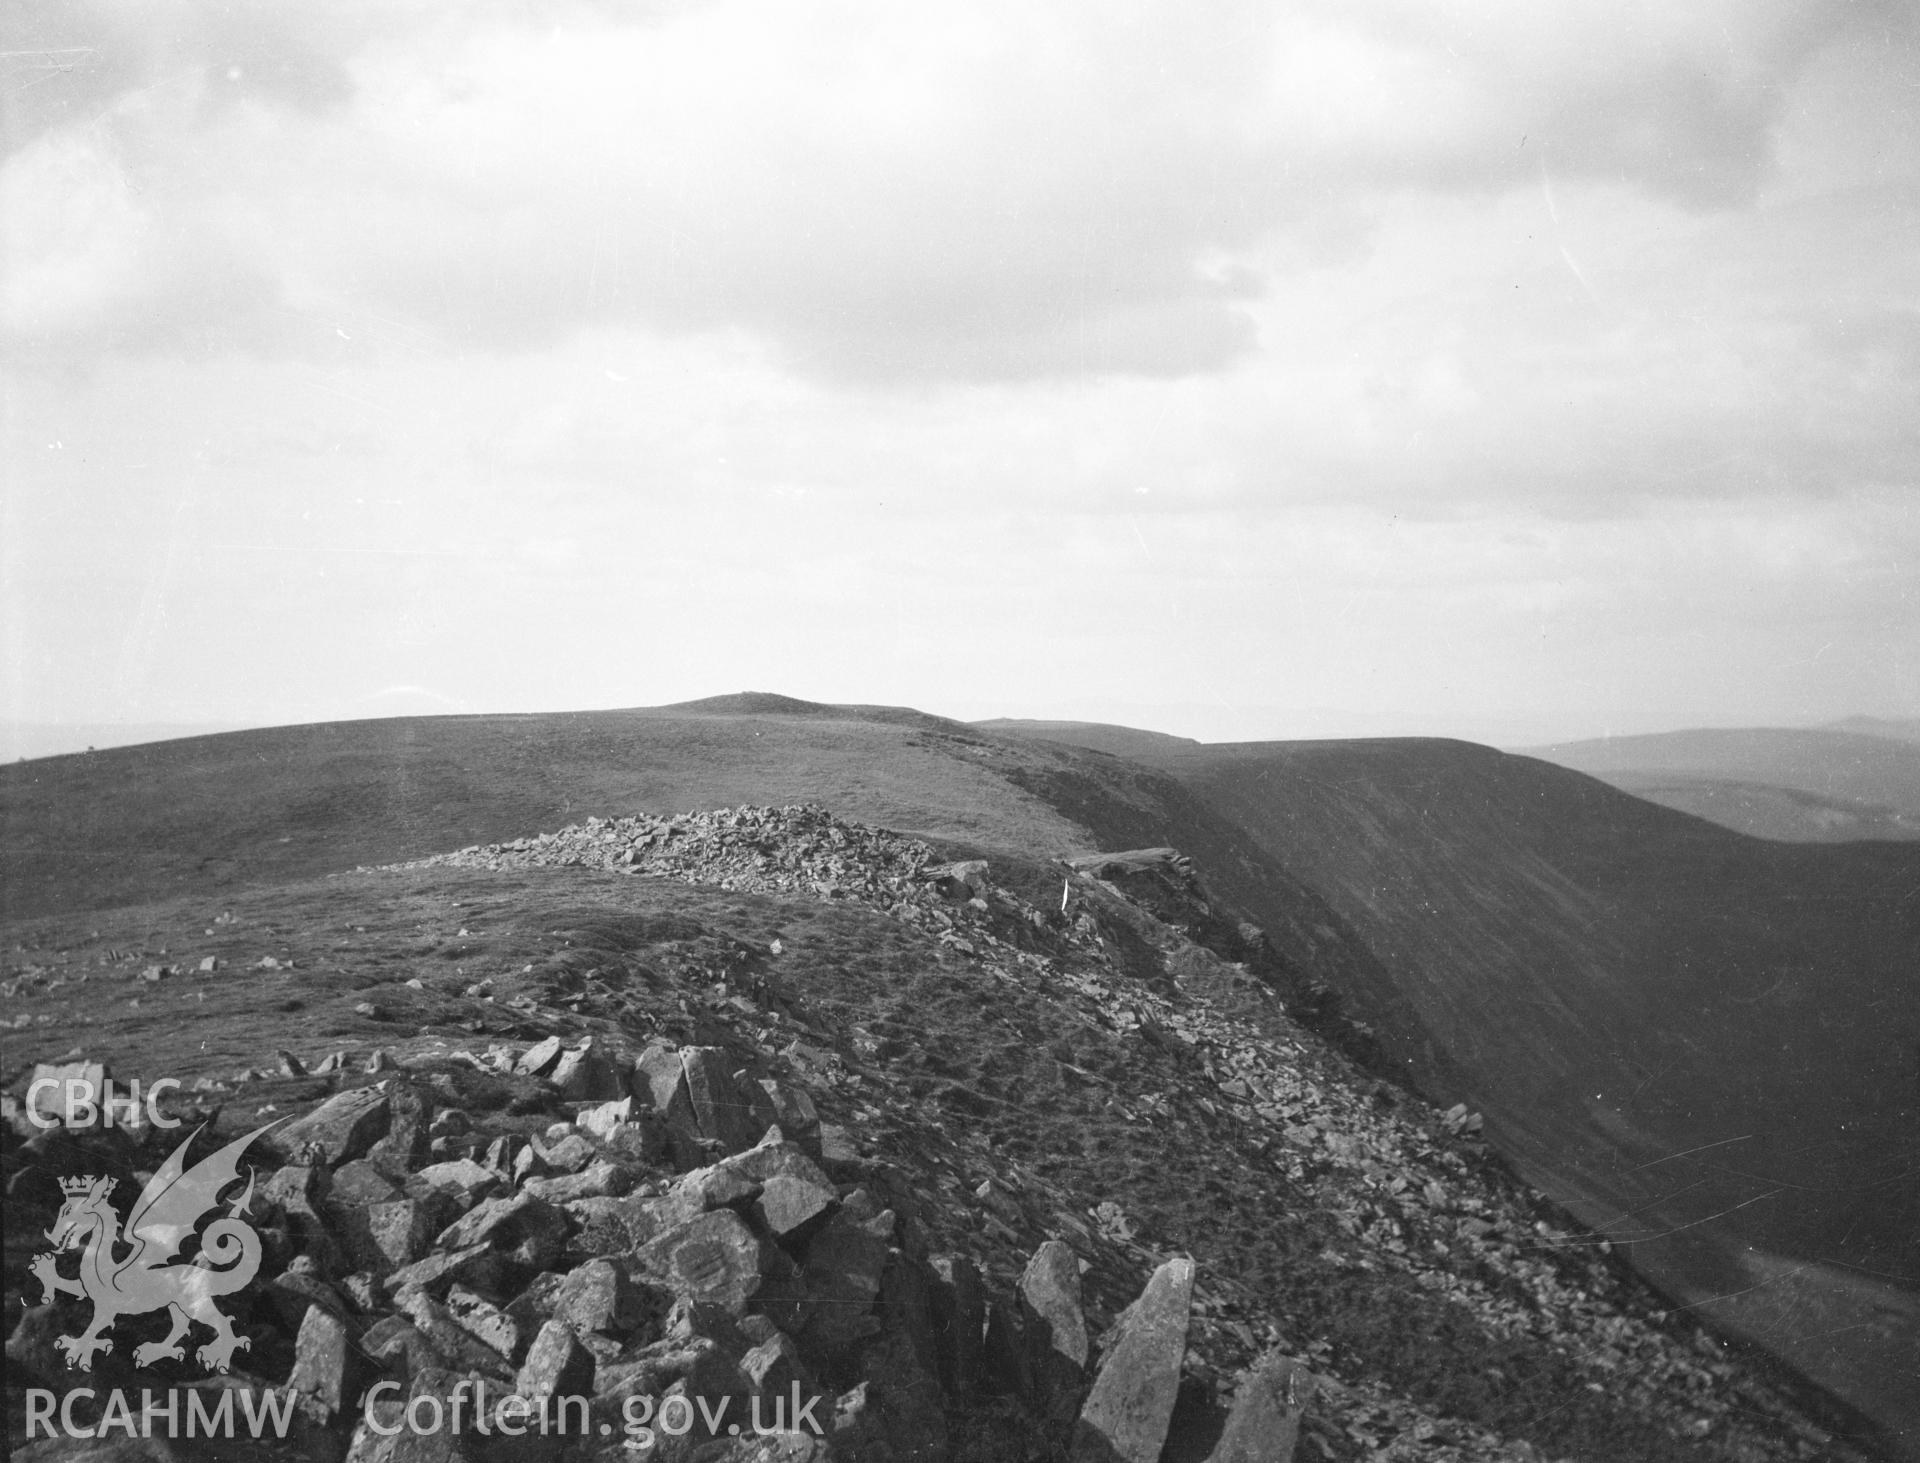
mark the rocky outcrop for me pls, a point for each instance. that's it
(710, 1193)
(764, 1280)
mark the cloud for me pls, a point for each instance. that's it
(883, 193)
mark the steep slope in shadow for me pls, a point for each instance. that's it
(1701, 1042)
(1581, 952)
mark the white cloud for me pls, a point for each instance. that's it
(552, 355)
(882, 192)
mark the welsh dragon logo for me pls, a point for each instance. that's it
(148, 1275)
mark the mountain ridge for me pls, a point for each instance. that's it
(1375, 826)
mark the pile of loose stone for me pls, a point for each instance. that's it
(802, 849)
(700, 1237)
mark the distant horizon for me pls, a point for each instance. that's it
(28, 740)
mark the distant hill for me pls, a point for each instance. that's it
(25, 739)
(1761, 810)
(1903, 729)
(1858, 779)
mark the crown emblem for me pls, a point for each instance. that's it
(77, 1186)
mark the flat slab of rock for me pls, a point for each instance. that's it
(466, 1181)
(712, 1257)
(539, 1057)
(774, 1157)
(476, 1265)
(524, 1227)
(604, 1179)
(786, 1206)
(1126, 1414)
(343, 1127)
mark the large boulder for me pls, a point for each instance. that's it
(841, 1279)
(712, 1257)
(322, 1362)
(722, 1109)
(383, 1237)
(587, 1074)
(789, 1207)
(1126, 1414)
(345, 1126)
(1055, 1324)
(1264, 1424)
(557, 1365)
(407, 1141)
(659, 1080)
(524, 1228)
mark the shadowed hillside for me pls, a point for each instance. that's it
(1701, 1041)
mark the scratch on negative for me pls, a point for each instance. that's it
(1721, 1143)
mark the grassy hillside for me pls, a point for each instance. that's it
(211, 814)
(138, 823)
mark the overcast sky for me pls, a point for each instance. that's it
(1478, 367)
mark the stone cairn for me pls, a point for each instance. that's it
(690, 1241)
